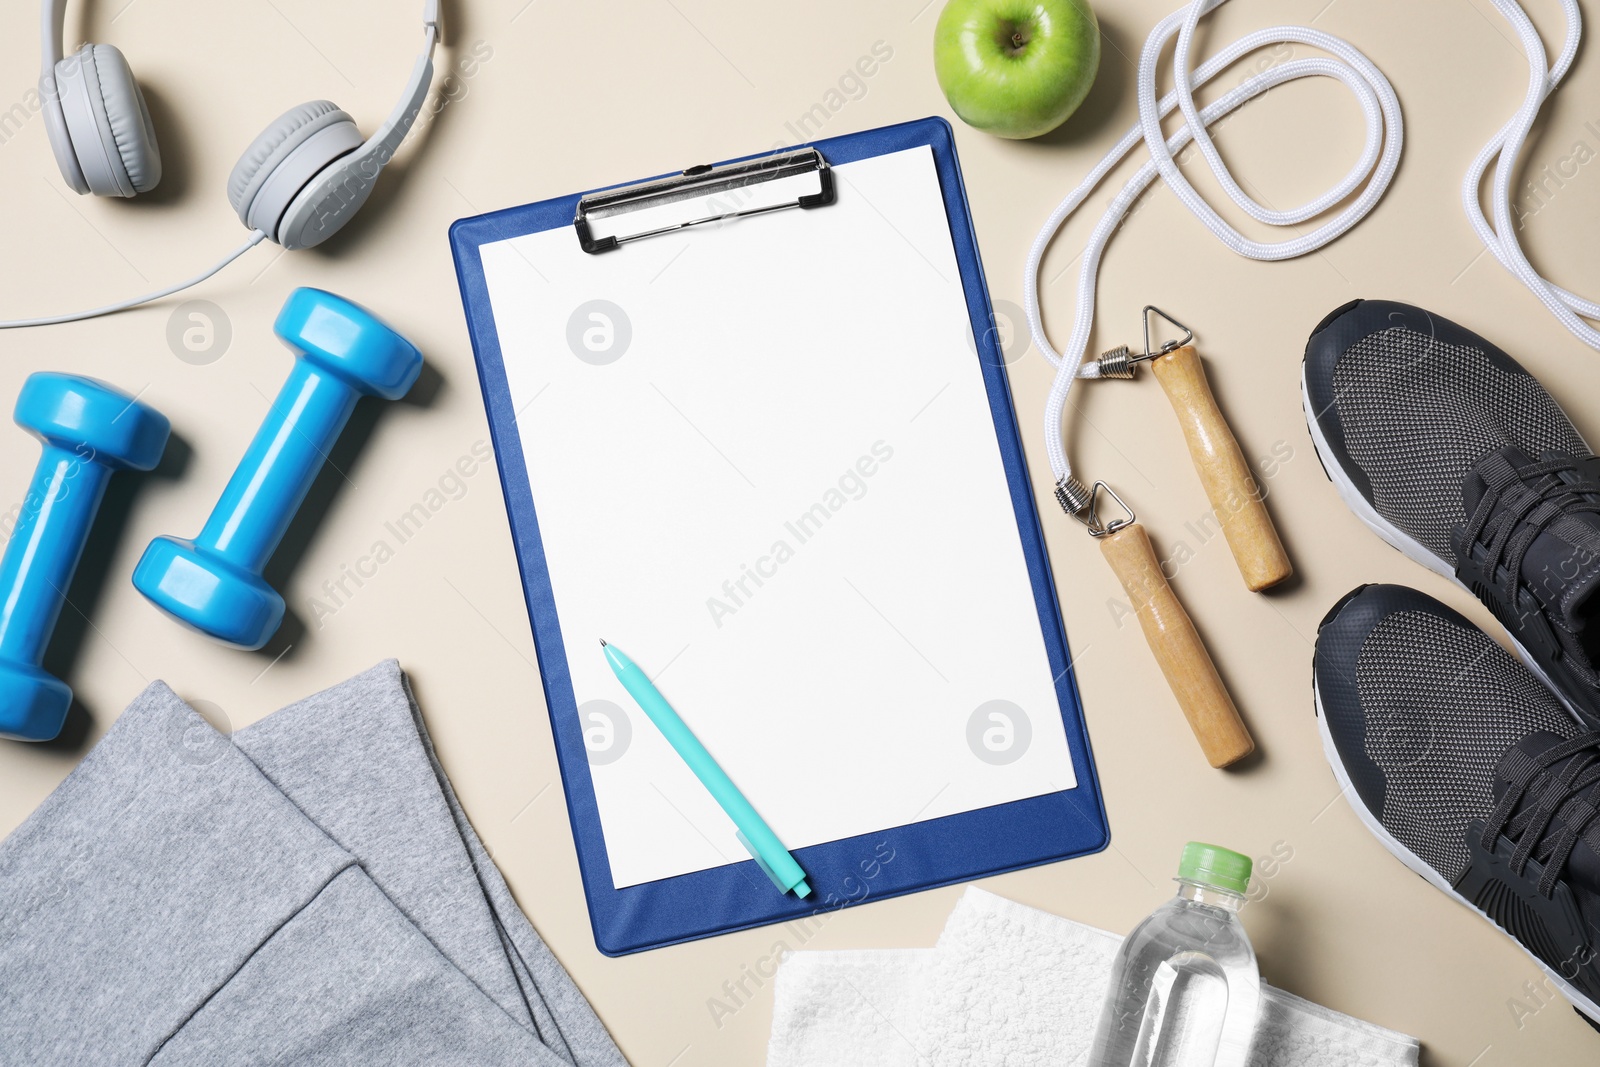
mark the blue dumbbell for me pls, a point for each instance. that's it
(213, 583)
(89, 430)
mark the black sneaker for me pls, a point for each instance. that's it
(1468, 770)
(1459, 458)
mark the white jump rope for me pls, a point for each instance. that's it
(1374, 170)
(1504, 148)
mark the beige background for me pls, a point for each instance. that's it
(578, 95)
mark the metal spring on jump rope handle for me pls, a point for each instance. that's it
(1122, 363)
(1083, 503)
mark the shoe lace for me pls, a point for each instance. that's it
(1574, 795)
(1519, 504)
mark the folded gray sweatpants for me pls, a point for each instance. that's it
(310, 893)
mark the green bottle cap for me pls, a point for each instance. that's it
(1215, 866)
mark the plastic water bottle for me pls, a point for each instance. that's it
(1185, 990)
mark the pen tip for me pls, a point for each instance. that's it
(602, 642)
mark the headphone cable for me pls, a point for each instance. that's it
(256, 237)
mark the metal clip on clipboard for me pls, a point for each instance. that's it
(800, 179)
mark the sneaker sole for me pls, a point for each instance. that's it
(1578, 1000)
(1403, 542)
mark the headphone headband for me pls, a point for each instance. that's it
(383, 144)
(55, 20)
(386, 141)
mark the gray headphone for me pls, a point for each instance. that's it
(297, 183)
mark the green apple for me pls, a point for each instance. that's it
(1016, 68)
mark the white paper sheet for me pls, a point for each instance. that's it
(764, 466)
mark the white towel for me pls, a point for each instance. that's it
(1010, 985)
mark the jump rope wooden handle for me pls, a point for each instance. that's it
(1178, 648)
(1228, 481)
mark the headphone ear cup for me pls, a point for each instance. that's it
(329, 200)
(55, 126)
(291, 151)
(107, 122)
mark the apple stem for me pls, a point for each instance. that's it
(1014, 38)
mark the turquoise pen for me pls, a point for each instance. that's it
(756, 836)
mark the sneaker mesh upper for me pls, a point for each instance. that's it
(1417, 412)
(1442, 704)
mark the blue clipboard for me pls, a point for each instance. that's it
(904, 859)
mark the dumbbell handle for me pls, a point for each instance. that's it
(51, 529)
(278, 468)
